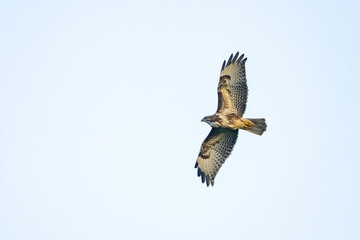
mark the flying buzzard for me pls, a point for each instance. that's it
(232, 97)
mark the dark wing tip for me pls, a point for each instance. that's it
(235, 57)
(230, 60)
(202, 176)
(196, 164)
(240, 58)
(223, 66)
(207, 181)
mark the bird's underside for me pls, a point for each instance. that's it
(228, 120)
(232, 98)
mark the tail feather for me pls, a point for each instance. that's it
(259, 126)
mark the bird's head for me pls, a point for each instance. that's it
(205, 119)
(211, 121)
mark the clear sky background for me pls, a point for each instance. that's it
(100, 109)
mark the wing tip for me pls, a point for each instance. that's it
(207, 181)
(229, 60)
(240, 58)
(204, 178)
(234, 59)
(223, 66)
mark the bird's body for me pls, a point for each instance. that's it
(231, 121)
(232, 98)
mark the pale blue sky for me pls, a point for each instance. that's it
(100, 109)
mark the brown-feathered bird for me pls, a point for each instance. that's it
(232, 97)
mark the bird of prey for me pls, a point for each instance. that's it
(232, 96)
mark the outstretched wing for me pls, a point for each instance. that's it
(232, 88)
(213, 152)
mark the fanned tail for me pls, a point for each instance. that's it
(259, 126)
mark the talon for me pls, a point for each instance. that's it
(248, 123)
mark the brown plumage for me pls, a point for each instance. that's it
(232, 98)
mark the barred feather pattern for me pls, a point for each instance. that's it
(215, 149)
(232, 88)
